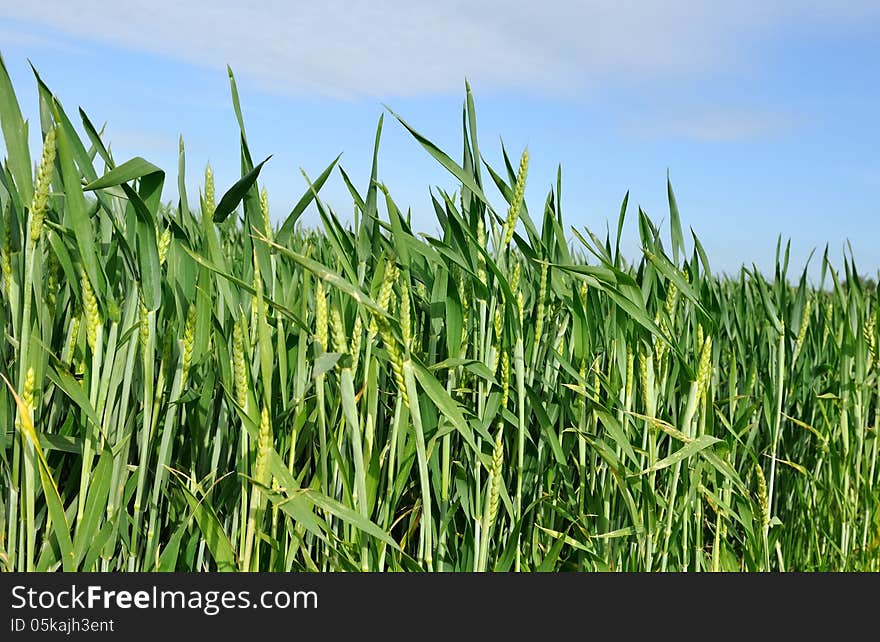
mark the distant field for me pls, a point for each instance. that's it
(190, 387)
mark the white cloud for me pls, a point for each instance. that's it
(10, 36)
(398, 47)
(138, 141)
(712, 126)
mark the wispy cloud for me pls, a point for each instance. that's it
(712, 126)
(402, 47)
(140, 141)
(31, 38)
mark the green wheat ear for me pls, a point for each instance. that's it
(6, 257)
(465, 316)
(505, 378)
(264, 448)
(870, 335)
(763, 500)
(404, 314)
(264, 210)
(384, 299)
(52, 274)
(163, 243)
(340, 343)
(187, 345)
(495, 475)
(396, 360)
(802, 332)
(239, 365)
(356, 337)
(27, 394)
(91, 312)
(704, 369)
(209, 192)
(321, 316)
(481, 260)
(514, 276)
(143, 326)
(516, 203)
(41, 187)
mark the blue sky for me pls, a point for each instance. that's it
(765, 117)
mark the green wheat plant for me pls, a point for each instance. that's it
(203, 385)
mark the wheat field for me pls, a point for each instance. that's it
(207, 385)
